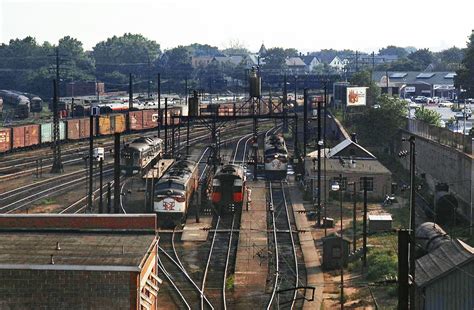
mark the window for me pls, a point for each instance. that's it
(336, 252)
(370, 184)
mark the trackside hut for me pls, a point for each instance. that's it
(355, 163)
(78, 262)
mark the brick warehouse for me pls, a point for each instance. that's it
(78, 262)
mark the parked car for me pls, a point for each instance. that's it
(445, 104)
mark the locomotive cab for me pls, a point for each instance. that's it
(228, 187)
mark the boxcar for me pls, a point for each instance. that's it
(47, 134)
(150, 119)
(26, 135)
(79, 128)
(118, 123)
(135, 119)
(5, 139)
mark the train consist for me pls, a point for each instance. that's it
(276, 157)
(140, 153)
(174, 190)
(31, 135)
(228, 188)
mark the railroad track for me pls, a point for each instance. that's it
(284, 265)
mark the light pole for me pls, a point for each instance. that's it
(337, 186)
(354, 215)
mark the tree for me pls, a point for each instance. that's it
(130, 53)
(376, 127)
(362, 78)
(428, 116)
(275, 58)
(235, 47)
(393, 50)
(176, 67)
(465, 75)
(421, 58)
(197, 49)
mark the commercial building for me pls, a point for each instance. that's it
(78, 262)
(417, 83)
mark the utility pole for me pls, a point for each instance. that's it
(324, 148)
(364, 223)
(354, 217)
(166, 125)
(305, 120)
(117, 173)
(318, 144)
(91, 162)
(285, 105)
(412, 221)
(130, 92)
(160, 120)
(101, 164)
(57, 162)
(403, 287)
(341, 245)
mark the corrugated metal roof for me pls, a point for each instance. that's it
(439, 262)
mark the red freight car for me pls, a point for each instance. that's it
(5, 139)
(79, 128)
(26, 135)
(135, 119)
(150, 119)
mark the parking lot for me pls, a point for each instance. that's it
(446, 115)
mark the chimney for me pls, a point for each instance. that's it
(354, 137)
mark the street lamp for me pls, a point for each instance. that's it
(354, 215)
(337, 186)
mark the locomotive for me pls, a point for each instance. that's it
(138, 154)
(19, 103)
(276, 157)
(228, 187)
(174, 190)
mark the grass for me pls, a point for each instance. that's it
(47, 201)
(229, 283)
(381, 263)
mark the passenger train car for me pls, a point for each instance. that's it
(174, 191)
(276, 157)
(228, 188)
(138, 154)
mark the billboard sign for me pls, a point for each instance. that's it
(356, 96)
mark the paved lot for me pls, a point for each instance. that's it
(447, 114)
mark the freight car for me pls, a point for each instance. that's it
(140, 153)
(276, 157)
(78, 128)
(173, 192)
(228, 188)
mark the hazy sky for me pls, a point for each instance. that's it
(307, 25)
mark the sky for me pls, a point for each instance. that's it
(307, 25)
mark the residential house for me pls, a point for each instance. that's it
(296, 65)
(311, 62)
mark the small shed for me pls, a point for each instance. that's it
(380, 222)
(332, 251)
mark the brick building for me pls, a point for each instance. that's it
(78, 262)
(85, 89)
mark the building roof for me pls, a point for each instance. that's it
(87, 242)
(415, 77)
(262, 50)
(380, 217)
(308, 59)
(339, 148)
(451, 255)
(295, 62)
